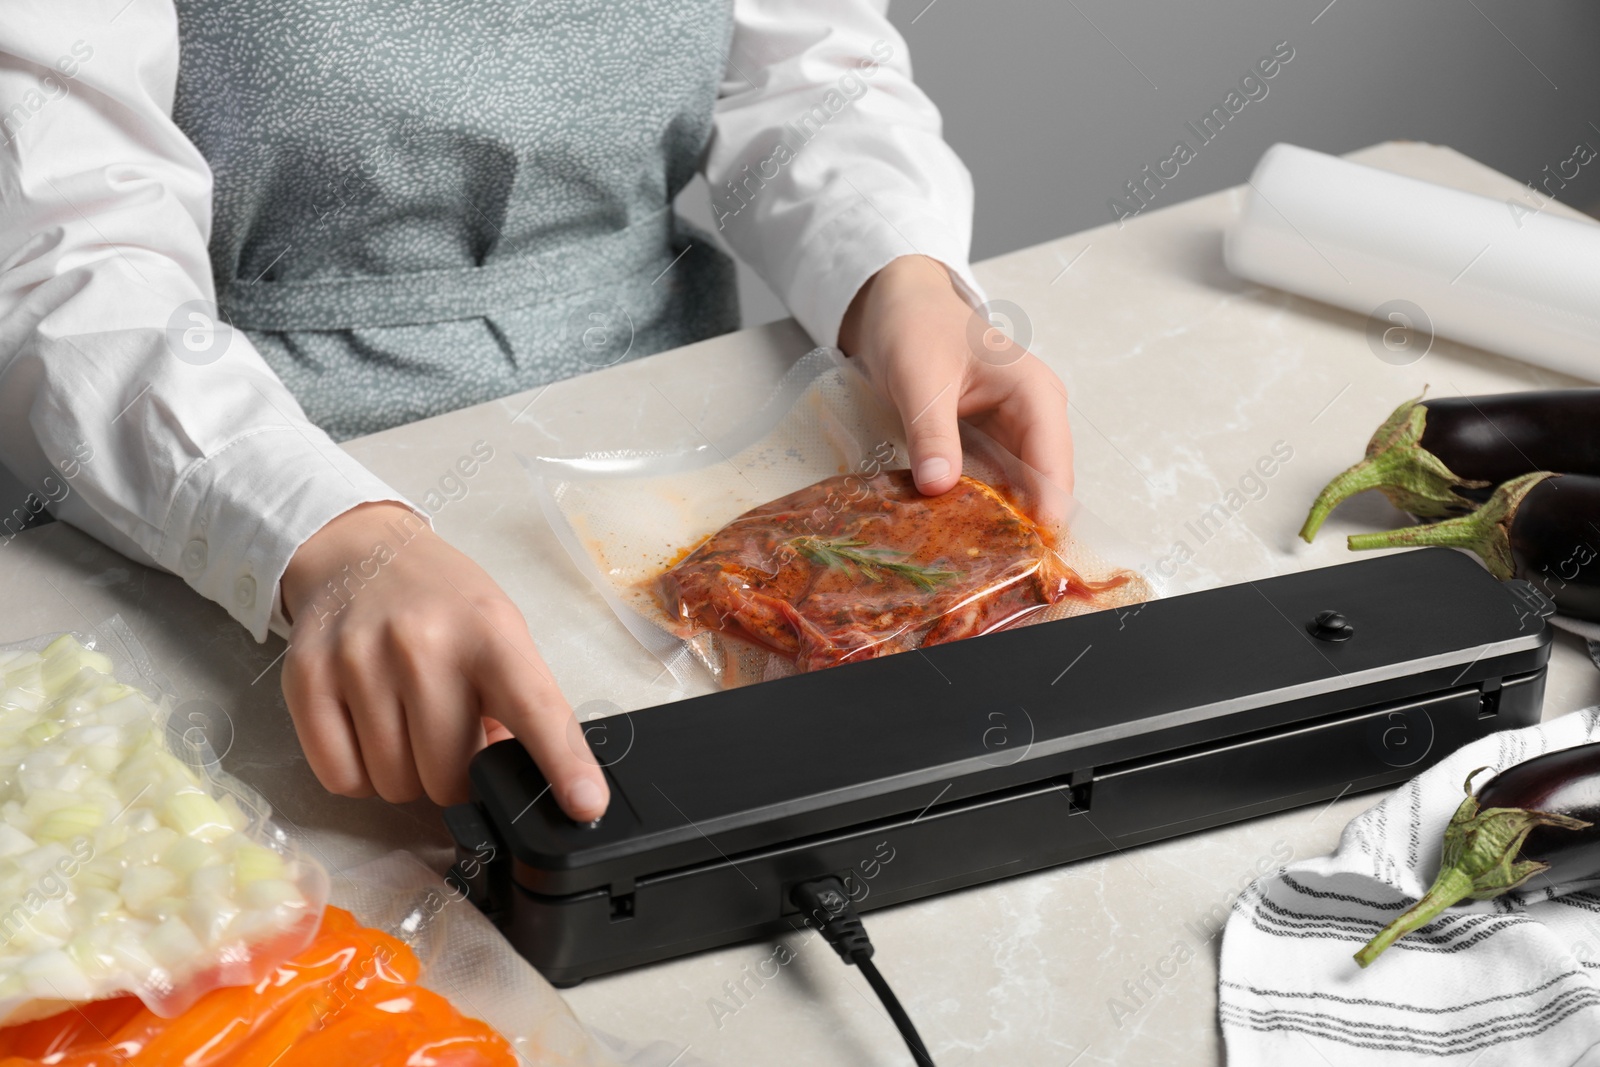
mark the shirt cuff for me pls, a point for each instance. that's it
(861, 241)
(240, 514)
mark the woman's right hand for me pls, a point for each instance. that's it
(396, 680)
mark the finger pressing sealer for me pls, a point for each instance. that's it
(941, 768)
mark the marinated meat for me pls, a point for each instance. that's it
(855, 567)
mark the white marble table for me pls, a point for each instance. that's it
(1181, 377)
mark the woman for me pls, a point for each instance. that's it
(404, 208)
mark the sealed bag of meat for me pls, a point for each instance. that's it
(800, 541)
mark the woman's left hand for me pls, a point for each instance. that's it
(935, 359)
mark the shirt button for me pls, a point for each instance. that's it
(194, 555)
(244, 592)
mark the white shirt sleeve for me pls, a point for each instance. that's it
(827, 161)
(117, 407)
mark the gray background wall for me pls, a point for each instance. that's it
(1055, 104)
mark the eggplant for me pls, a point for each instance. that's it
(1542, 527)
(1534, 820)
(1444, 457)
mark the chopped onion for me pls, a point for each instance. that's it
(268, 893)
(196, 815)
(252, 863)
(173, 945)
(188, 855)
(209, 914)
(215, 881)
(142, 885)
(52, 975)
(23, 699)
(13, 841)
(40, 732)
(119, 868)
(75, 820)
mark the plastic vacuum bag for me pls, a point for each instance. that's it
(129, 862)
(403, 971)
(798, 541)
(349, 997)
(466, 959)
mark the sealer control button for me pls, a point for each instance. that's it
(1331, 626)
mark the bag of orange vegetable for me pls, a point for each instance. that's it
(351, 997)
(414, 976)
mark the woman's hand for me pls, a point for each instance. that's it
(410, 661)
(931, 356)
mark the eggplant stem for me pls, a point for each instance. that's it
(1383, 469)
(1451, 887)
(1413, 478)
(1486, 531)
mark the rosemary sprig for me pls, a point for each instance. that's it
(847, 553)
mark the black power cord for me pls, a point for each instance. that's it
(823, 901)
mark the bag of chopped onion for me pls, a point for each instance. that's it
(129, 865)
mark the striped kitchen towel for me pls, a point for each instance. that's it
(1502, 983)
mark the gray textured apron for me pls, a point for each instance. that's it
(424, 205)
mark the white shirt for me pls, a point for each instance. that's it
(210, 469)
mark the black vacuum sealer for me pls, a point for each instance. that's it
(932, 770)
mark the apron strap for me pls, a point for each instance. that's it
(444, 295)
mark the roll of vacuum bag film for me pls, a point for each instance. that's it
(1499, 274)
